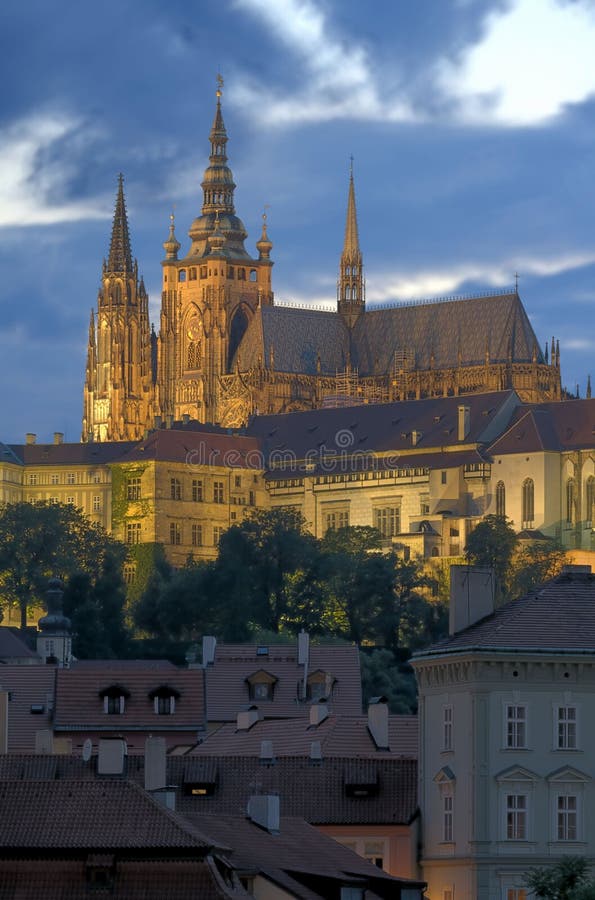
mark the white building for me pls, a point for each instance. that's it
(507, 722)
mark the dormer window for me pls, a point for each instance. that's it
(319, 685)
(164, 700)
(261, 685)
(114, 699)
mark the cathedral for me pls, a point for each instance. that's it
(226, 351)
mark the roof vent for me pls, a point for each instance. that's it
(378, 722)
(30, 438)
(247, 717)
(318, 712)
(266, 752)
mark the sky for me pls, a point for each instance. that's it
(471, 124)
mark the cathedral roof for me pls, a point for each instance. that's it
(295, 339)
(437, 334)
(472, 326)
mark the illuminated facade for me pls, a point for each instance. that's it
(226, 350)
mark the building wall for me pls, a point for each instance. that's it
(87, 487)
(480, 771)
(397, 844)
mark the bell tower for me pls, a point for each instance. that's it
(209, 296)
(351, 288)
(118, 393)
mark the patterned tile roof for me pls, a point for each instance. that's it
(197, 447)
(472, 325)
(228, 691)
(567, 425)
(81, 454)
(297, 339)
(12, 647)
(295, 737)
(79, 705)
(558, 617)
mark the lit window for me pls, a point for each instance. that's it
(33, 478)
(516, 817)
(96, 503)
(566, 738)
(70, 478)
(516, 894)
(217, 492)
(567, 818)
(197, 494)
(133, 489)
(516, 727)
(70, 501)
(54, 479)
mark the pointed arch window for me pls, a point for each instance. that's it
(571, 501)
(528, 503)
(590, 500)
(500, 499)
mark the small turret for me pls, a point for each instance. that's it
(264, 245)
(172, 244)
(54, 642)
(120, 257)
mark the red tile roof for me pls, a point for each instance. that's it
(558, 617)
(12, 647)
(197, 448)
(79, 705)
(99, 814)
(227, 689)
(294, 737)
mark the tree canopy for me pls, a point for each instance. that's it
(568, 879)
(42, 539)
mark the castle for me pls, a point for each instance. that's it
(225, 350)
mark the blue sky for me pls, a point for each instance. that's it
(471, 124)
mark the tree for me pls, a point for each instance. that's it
(41, 539)
(534, 564)
(383, 675)
(568, 879)
(96, 610)
(492, 543)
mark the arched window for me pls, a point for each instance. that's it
(528, 501)
(571, 501)
(590, 499)
(500, 499)
(252, 274)
(193, 359)
(237, 329)
(182, 275)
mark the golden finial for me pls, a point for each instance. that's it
(219, 85)
(264, 213)
(351, 165)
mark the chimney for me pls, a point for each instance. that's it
(111, 758)
(316, 752)
(169, 421)
(416, 437)
(166, 797)
(209, 645)
(464, 422)
(304, 660)
(44, 741)
(58, 437)
(266, 752)
(30, 438)
(263, 810)
(156, 421)
(155, 770)
(247, 717)
(378, 722)
(185, 418)
(318, 712)
(471, 596)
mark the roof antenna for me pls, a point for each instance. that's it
(516, 283)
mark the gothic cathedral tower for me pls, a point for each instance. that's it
(210, 296)
(351, 300)
(119, 392)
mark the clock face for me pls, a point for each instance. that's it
(194, 328)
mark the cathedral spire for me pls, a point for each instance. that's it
(120, 257)
(218, 185)
(351, 287)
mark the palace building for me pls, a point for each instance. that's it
(226, 350)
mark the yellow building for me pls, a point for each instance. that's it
(226, 350)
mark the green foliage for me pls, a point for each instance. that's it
(148, 561)
(96, 610)
(492, 543)
(384, 675)
(120, 502)
(568, 879)
(534, 564)
(42, 539)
